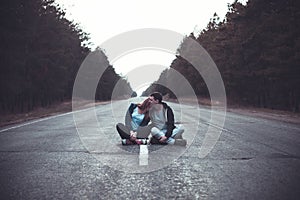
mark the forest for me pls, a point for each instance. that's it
(257, 51)
(41, 52)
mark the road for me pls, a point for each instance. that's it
(53, 158)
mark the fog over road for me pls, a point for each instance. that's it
(53, 158)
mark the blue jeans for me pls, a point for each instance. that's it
(177, 131)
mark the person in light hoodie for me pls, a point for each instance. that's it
(163, 129)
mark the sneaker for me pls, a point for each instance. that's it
(141, 141)
(153, 140)
(180, 142)
(127, 142)
(178, 136)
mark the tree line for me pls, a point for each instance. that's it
(41, 52)
(257, 51)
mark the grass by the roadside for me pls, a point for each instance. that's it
(8, 119)
(280, 115)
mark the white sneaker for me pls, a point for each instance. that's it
(180, 142)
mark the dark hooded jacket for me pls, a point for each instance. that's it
(170, 119)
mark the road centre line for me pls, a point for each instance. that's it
(143, 155)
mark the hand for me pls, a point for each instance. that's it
(163, 139)
(133, 135)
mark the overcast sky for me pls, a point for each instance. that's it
(104, 19)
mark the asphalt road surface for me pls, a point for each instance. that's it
(57, 158)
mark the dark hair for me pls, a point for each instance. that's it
(157, 96)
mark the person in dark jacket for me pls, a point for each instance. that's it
(135, 129)
(163, 129)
